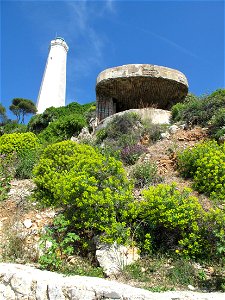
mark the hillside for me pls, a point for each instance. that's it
(19, 216)
(157, 189)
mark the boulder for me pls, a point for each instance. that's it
(113, 258)
(173, 129)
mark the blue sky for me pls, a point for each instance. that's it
(185, 35)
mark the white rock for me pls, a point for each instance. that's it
(165, 135)
(113, 258)
(21, 282)
(183, 126)
(191, 287)
(6, 292)
(27, 223)
(172, 129)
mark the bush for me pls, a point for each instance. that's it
(7, 171)
(62, 129)
(217, 124)
(93, 189)
(125, 133)
(169, 220)
(62, 244)
(130, 154)
(17, 142)
(145, 174)
(26, 161)
(123, 124)
(21, 150)
(41, 121)
(123, 130)
(153, 131)
(215, 232)
(13, 127)
(199, 110)
(187, 159)
(206, 164)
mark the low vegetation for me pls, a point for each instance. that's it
(93, 188)
(122, 137)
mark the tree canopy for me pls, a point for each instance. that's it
(21, 107)
(3, 116)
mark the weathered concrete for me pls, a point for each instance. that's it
(20, 282)
(137, 86)
(154, 115)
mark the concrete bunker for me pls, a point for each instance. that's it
(136, 86)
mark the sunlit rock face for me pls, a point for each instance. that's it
(138, 86)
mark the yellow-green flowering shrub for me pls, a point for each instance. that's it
(206, 164)
(17, 142)
(21, 149)
(92, 189)
(209, 177)
(215, 232)
(169, 219)
(187, 159)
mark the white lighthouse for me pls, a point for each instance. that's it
(53, 87)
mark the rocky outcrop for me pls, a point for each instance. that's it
(21, 282)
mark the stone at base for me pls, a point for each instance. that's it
(113, 258)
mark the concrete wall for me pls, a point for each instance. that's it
(156, 116)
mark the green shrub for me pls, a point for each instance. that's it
(17, 142)
(93, 189)
(153, 131)
(190, 111)
(61, 242)
(130, 154)
(7, 172)
(123, 124)
(199, 110)
(101, 134)
(187, 159)
(62, 129)
(123, 130)
(13, 127)
(215, 232)
(145, 174)
(124, 134)
(206, 164)
(22, 150)
(176, 111)
(183, 273)
(217, 124)
(26, 161)
(169, 220)
(39, 122)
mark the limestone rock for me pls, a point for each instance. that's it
(83, 135)
(21, 282)
(173, 129)
(165, 135)
(27, 223)
(113, 258)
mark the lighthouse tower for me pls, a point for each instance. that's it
(53, 87)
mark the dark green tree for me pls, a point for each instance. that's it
(3, 117)
(21, 107)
